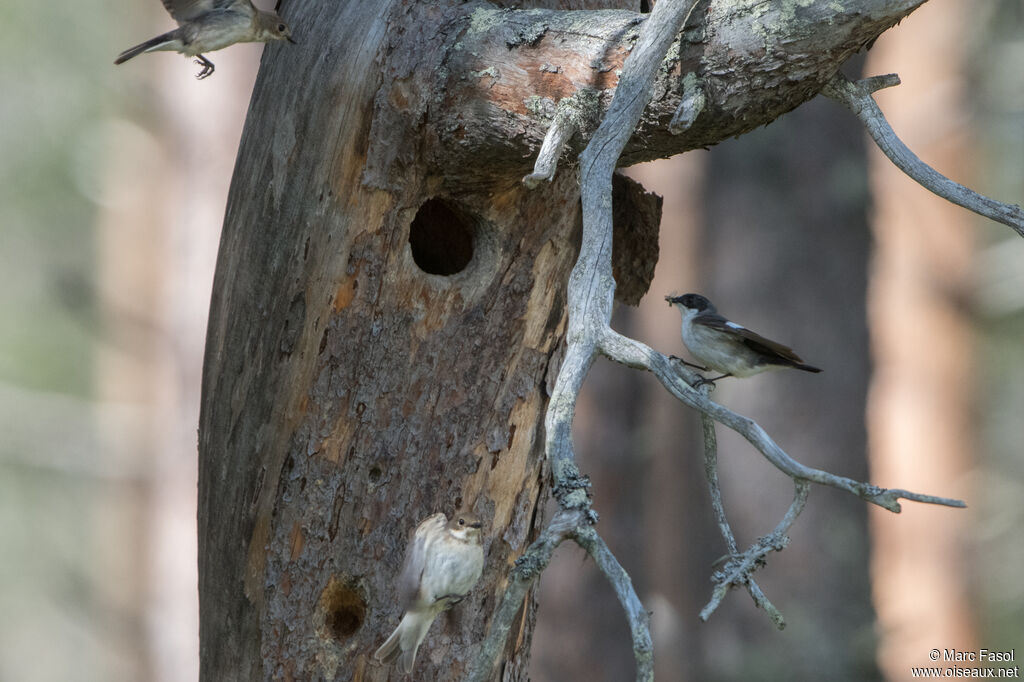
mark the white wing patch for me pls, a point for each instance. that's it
(733, 325)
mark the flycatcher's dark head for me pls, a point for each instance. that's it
(691, 301)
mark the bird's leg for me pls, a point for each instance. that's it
(688, 364)
(450, 600)
(709, 381)
(207, 67)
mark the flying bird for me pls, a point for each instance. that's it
(442, 563)
(727, 347)
(208, 25)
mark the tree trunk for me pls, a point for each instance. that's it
(389, 300)
(921, 416)
(371, 359)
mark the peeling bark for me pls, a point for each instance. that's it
(752, 60)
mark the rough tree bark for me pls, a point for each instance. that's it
(389, 299)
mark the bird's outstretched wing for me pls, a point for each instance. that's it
(752, 340)
(415, 558)
(186, 10)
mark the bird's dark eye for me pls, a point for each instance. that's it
(462, 522)
(281, 28)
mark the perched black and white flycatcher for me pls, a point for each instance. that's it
(727, 347)
(208, 25)
(442, 563)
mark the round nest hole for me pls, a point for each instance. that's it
(441, 238)
(343, 609)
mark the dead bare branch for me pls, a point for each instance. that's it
(591, 295)
(856, 96)
(576, 113)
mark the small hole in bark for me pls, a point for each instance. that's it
(343, 609)
(375, 473)
(441, 238)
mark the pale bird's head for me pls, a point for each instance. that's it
(272, 27)
(465, 526)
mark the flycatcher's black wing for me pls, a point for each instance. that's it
(751, 340)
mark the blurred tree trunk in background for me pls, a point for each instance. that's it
(920, 415)
(167, 182)
(785, 252)
(674, 497)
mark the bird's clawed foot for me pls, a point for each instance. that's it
(704, 380)
(688, 364)
(207, 67)
(450, 600)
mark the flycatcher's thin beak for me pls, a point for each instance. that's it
(292, 40)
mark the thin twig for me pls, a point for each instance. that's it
(711, 474)
(636, 615)
(562, 128)
(691, 103)
(581, 113)
(740, 568)
(856, 96)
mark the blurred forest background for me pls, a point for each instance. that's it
(112, 188)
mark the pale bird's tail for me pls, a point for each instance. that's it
(405, 640)
(389, 650)
(150, 45)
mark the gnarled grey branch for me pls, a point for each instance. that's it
(856, 96)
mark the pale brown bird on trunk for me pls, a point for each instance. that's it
(208, 25)
(442, 563)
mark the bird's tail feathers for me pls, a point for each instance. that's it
(389, 650)
(415, 625)
(405, 663)
(405, 641)
(807, 368)
(149, 46)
